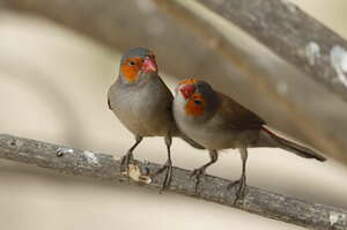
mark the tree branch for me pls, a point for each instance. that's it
(105, 167)
(293, 35)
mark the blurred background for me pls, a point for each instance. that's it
(53, 84)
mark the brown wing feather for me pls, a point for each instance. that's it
(238, 116)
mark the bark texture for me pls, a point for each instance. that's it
(68, 160)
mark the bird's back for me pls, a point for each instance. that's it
(236, 116)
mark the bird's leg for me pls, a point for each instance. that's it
(201, 171)
(241, 183)
(128, 157)
(168, 164)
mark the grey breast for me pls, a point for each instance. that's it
(143, 108)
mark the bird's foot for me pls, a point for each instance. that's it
(240, 186)
(197, 173)
(168, 175)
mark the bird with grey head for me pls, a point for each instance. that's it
(218, 122)
(143, 104)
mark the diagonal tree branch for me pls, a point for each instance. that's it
(105, 167)
(293, 35)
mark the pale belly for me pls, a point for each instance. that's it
(217, 138)
(143, 123)
(142, 112)
(210, 139)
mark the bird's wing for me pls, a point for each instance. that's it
(237, 116)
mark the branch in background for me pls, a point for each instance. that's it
(105, 167)
(293, 35)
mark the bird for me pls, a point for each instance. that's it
(143, 104)
(218, 122)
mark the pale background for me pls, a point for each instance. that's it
(53, 88)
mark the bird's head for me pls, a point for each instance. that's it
(199, 99)
(137, 63)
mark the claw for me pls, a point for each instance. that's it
(167, 179)
(197, 173)
(240, 190)
(168, 175)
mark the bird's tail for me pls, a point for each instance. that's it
(268, 138)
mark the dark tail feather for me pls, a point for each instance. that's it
(298, 149)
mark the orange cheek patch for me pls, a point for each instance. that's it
(131, 72)
(194, 109)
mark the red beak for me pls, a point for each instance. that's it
(149, 65)
(187, 91)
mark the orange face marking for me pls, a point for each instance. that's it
(131, 67)
(195, 105)
(190, 81)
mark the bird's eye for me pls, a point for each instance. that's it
(131, 63)
(197, 102)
